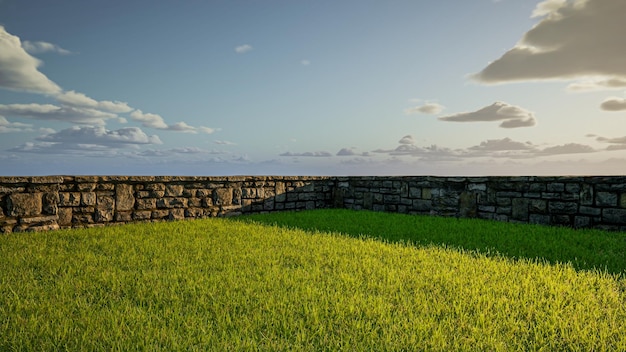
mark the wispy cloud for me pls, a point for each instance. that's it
(6, 126)
(76, 99)
(43, 47)
(426, 108)
(511, 116)
(241, 49)
(308, 154)
(156, 121)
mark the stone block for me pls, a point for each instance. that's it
(50, 203)
(582, 221)
(65, 216)
(124, 197)
(590, 210)
(426, 193)
(223, 196)
(86, 187)
(614, 216)
(125, 216)
(586, 194)
(176, 214)
(24, 204)
(141, 215)
(82, 219)
(88, 198)
(146, 203)
(69, 199)
(173, 190)
(539, 219)
(606, 199)
(39, 220)
(467, 205)
(477, 187)
(555, 187)
(169, 203)
(105, 202)
(103, 215)
(160, 214)
(563, 207)
(563, 220)
(203, 193)
(520, 209)
(538, 206)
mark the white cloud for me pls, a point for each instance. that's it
(243, 48)
(351, 152)
(308, 154)
(43, 47)
(149, 120)
(408, 139)
(305, 62)
(98, 135)
(224, 142)
(613, 104)
(156, 121)
(18, 70)
(426, 108)
(49, 112)
(81, 100)
(6, 126)
(574, 39)
(510, 116)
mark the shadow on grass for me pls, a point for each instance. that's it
(584, 249)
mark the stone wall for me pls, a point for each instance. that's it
(48, 203)
(580, 202)
(53, 202)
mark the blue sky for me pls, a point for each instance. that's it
(290, 87)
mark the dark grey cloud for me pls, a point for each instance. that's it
(573, 39)
(505, 144)
(509, 116)
(569, 148)
(614, 104)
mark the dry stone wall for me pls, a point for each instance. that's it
(580, 202)
(53, 202)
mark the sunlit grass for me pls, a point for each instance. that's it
(220, 284)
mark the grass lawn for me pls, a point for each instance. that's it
(318, 280)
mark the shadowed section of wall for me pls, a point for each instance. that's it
(53, 202)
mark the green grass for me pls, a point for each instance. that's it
(221, 284)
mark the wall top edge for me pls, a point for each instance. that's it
(474, 179)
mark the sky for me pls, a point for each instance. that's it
(303, 87)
